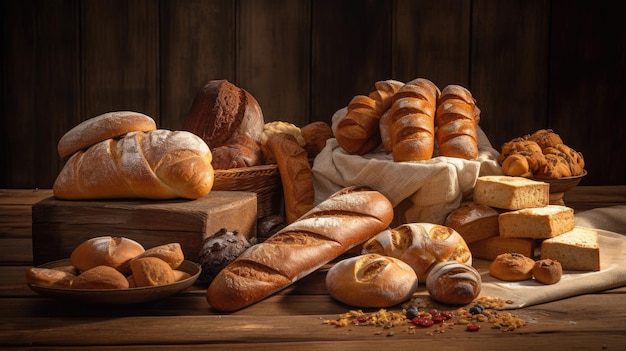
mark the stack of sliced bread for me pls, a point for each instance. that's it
(513, 215)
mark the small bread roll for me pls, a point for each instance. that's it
(49, 277)
(547, 271)
(109, 251)
(371, 281)
(100, 277)
(453, 283)
(512, 267)
(315, 135)
(151, 271)
(171, 253)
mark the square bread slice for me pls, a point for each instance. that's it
(490, 248)
(576, 250)
(536, 223)
(511, 193)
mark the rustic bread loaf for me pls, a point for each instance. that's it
(371, 280)
(103, 127)
(421, 245)
(453, 283)
(473, 221)
(109, 251)
(159, 164)
(577, 249)
(339, 223)
(537, 223)
(510, 193)
(456, 119)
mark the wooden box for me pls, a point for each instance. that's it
(59, 226)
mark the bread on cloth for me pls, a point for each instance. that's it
(547, 271)
(420, 245)
(158, 164)
(115, 252)
(420, 191)
(343, 221)
(512, 266)
(106, 126)
(371, 280)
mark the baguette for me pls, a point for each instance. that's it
(295, 174)
(456, 120)
(341, 222)
(159, 164)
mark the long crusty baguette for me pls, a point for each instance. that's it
(159, 164)
(344, 220)
(456, 120)
(295, 174)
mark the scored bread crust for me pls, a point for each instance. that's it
(102, 127)
(115, 252)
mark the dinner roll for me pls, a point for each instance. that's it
(547, 271)
(453, 283)
(100, 277)
(512, 267)
(49, 277)
(171, 253)
(109, 251)
(151, 271)
(371, 280)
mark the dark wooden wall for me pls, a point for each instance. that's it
(531, 64)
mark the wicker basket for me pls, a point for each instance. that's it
(263, 180)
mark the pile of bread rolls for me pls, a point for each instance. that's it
(122, 155)
(541, 155)
(410, 120)
(107, 262)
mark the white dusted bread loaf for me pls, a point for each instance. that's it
(371, 280)
(421, 245)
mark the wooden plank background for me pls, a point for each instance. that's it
(531, 64)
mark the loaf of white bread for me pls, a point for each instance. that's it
(339, 223)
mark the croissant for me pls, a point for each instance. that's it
(159, 164)
(408, 127)
(456, 120)
(359, 131)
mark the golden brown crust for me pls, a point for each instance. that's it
(358, 132)
(100, 277)
(110, 251)
(151, 271)
(49, 277)
(245, 152)
(512, 267)
(473, 221)
(456, 120)
(453, 283)
(371, 281)
(315, 135)
(103, 127)
(547, 271)
(171, 253)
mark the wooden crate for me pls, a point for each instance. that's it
(59, 226)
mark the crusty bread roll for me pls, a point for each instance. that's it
(49, 277)
(339, 223)
(109, 251)
(359, 130)
(171, 253)
(421, 245)
(279, 127)
(473, 221)
(160, 164)
(512, 267)
(295, 174)
(103, 127)
(244, 152)
(221, 112)
(456, 120)
(315, 135)
(408, 127)
(547, 271)
(371, 280)
(453, 283)
(151, 271)
(100, 277)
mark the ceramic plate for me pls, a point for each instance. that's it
(118, 296)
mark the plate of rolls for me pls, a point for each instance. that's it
(115, 271)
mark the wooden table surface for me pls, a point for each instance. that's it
(290, 320)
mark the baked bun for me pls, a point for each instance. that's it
(512, 267)
(100, 277)
(49, 277)
(453, 283)
(420, 245)
(110, 251)
(315, 135)
(151, 271)
(547, 271)
(171, 253)
(244, 152)
(371, 280)
(103, 127)
(221, 112)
